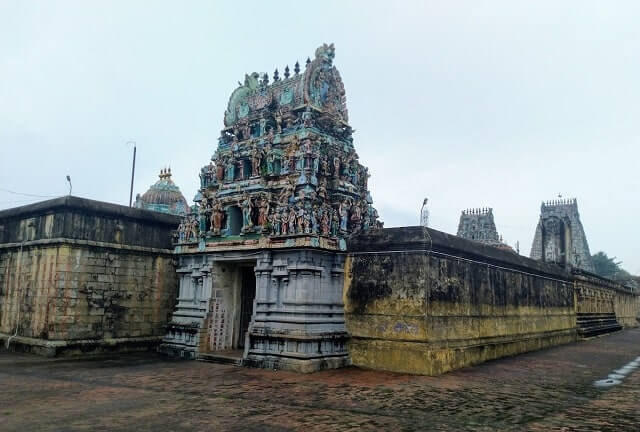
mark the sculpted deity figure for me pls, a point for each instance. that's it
(354, 172)
(270, 136)
(336, 166)
(194, 228)
(263, 124)
(217, 215)
(246, 205)
(322, 188)
(300, 219)
(275, 222)
(202, 217)
(291, 162)
(292, 220)
(256, 161)
(324, 164)
(278, 118)
(285, 222)
(263, 213)
(325, 224)
(307, 151)
(295, 142)
(181, 232)
(286, 193)
(220, 170)
(307, 117)
(241, 173)
(366, 221)
(203, 180)
(208, 172)
(230, 169)
(271, 162)
(356, 216)
(344, 215)
(299, 160)
(306, 146)
(187, 230)
(246, 130)
(314, 219)
(307, 222)
(335, 222)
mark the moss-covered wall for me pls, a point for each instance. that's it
(422, 301)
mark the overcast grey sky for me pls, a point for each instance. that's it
(470, 103)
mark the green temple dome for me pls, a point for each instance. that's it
(163, 196)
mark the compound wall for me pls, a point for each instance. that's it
(80, 276)
(422, 301)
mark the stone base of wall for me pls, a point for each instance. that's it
(434, 359)
(296, 365)
(181, 341)
(298, 353)
(55, 348)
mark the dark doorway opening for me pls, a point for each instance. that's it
(247, 295)
(234, 220)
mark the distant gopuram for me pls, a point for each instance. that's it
(281, 195)
(559, 237)
(478, 225)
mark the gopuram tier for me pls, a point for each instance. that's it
(285, 172)
(260, 253)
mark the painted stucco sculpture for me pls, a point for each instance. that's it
(277, 204)
(285, 165)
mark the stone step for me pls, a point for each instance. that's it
(587, 322)
(596, 324)
(222, 357)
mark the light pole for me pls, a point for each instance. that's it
(133, 171)
(424, 214)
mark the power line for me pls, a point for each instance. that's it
(18, 201)
(26, 194)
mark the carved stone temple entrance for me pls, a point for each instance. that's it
(279, 198)
(282, 308)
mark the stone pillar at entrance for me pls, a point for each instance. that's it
(298, 323)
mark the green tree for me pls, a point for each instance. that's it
(605, 266)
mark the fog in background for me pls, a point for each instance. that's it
(501, 104)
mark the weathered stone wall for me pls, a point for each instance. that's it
(597, 295)
(461, 303)
(80, 275)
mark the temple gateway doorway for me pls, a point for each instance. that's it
(232, 305)
(247, 296)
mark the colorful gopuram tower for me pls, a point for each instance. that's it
(260, 254)
(163, 196)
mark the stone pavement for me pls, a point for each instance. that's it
(540, 391)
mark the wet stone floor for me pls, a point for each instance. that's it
(546, 390)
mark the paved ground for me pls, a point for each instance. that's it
(546, 390)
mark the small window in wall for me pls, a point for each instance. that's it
(234, 220)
